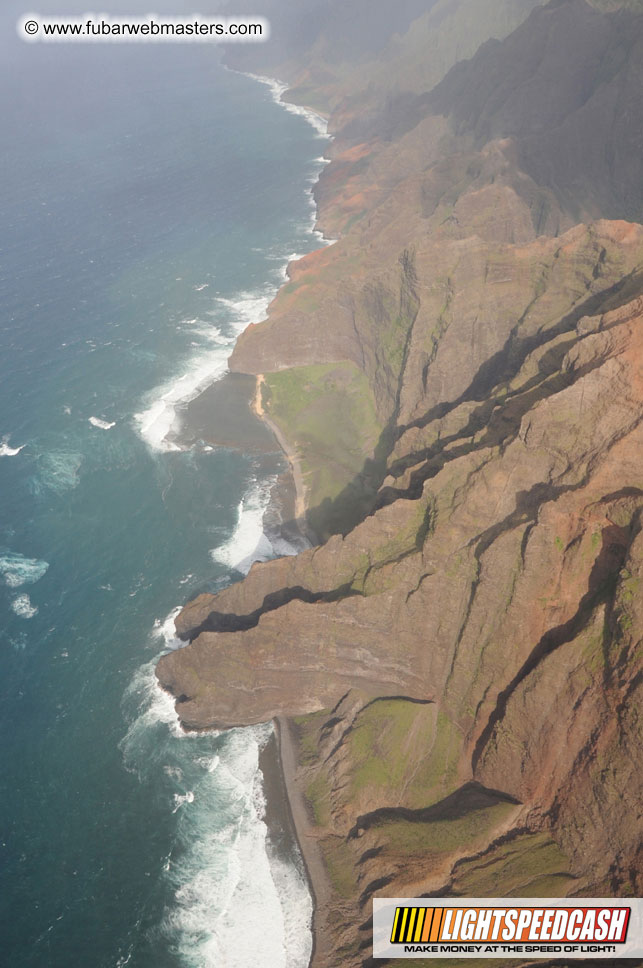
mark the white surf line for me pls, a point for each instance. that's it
(319, 124)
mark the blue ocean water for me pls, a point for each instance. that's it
(149, 201)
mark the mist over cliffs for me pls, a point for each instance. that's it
(458, 663)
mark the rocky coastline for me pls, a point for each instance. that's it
(455, 667)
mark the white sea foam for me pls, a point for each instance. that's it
(155, 713)
(248, 307)
(101, 424)
(165, 629)
(18, 570)
(181, 798)
(296, 908)
(293, 257)
(174, 771)
(160, 418)
(248, 543)
(207, 331)
(22, 607)
(6, 450)
(221, 864)
(225, 870)
(320, 125)
(278, 89)
(58, 472)
(151, 709)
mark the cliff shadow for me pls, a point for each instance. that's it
(358, 498)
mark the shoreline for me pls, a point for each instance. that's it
(313, 864)
(293, 460)
(294, 803)
(288, 809)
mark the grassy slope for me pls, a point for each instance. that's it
(306, 402)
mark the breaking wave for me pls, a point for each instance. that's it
(248, 543)
(18, 570)
(278, 89)
(6, 450)
(222, 863)
(160, 420)
(23, 608)
(101, 424)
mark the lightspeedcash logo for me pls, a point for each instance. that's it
(486, 928)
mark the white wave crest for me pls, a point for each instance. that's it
(278, 89)
(161, 419)
(18, 570)
(166, 630)
(320, 125)
(101, 424)
(207, 331)
(248, 543)
(297, 910)
(181, 798)
(225, 869)
(154, 715)
(6, 450)
(23, 608)
(248, 307)
(221, 863)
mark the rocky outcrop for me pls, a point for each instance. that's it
(457, 674)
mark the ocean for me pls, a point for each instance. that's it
(150, 201)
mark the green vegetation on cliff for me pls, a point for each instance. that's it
(328, 414)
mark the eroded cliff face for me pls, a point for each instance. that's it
(458, 674)
(481, 628)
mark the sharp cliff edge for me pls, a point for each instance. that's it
(457, 669)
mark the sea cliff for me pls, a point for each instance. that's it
(456, 668)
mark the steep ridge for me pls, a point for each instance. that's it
(457, 670)
(581, 137)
